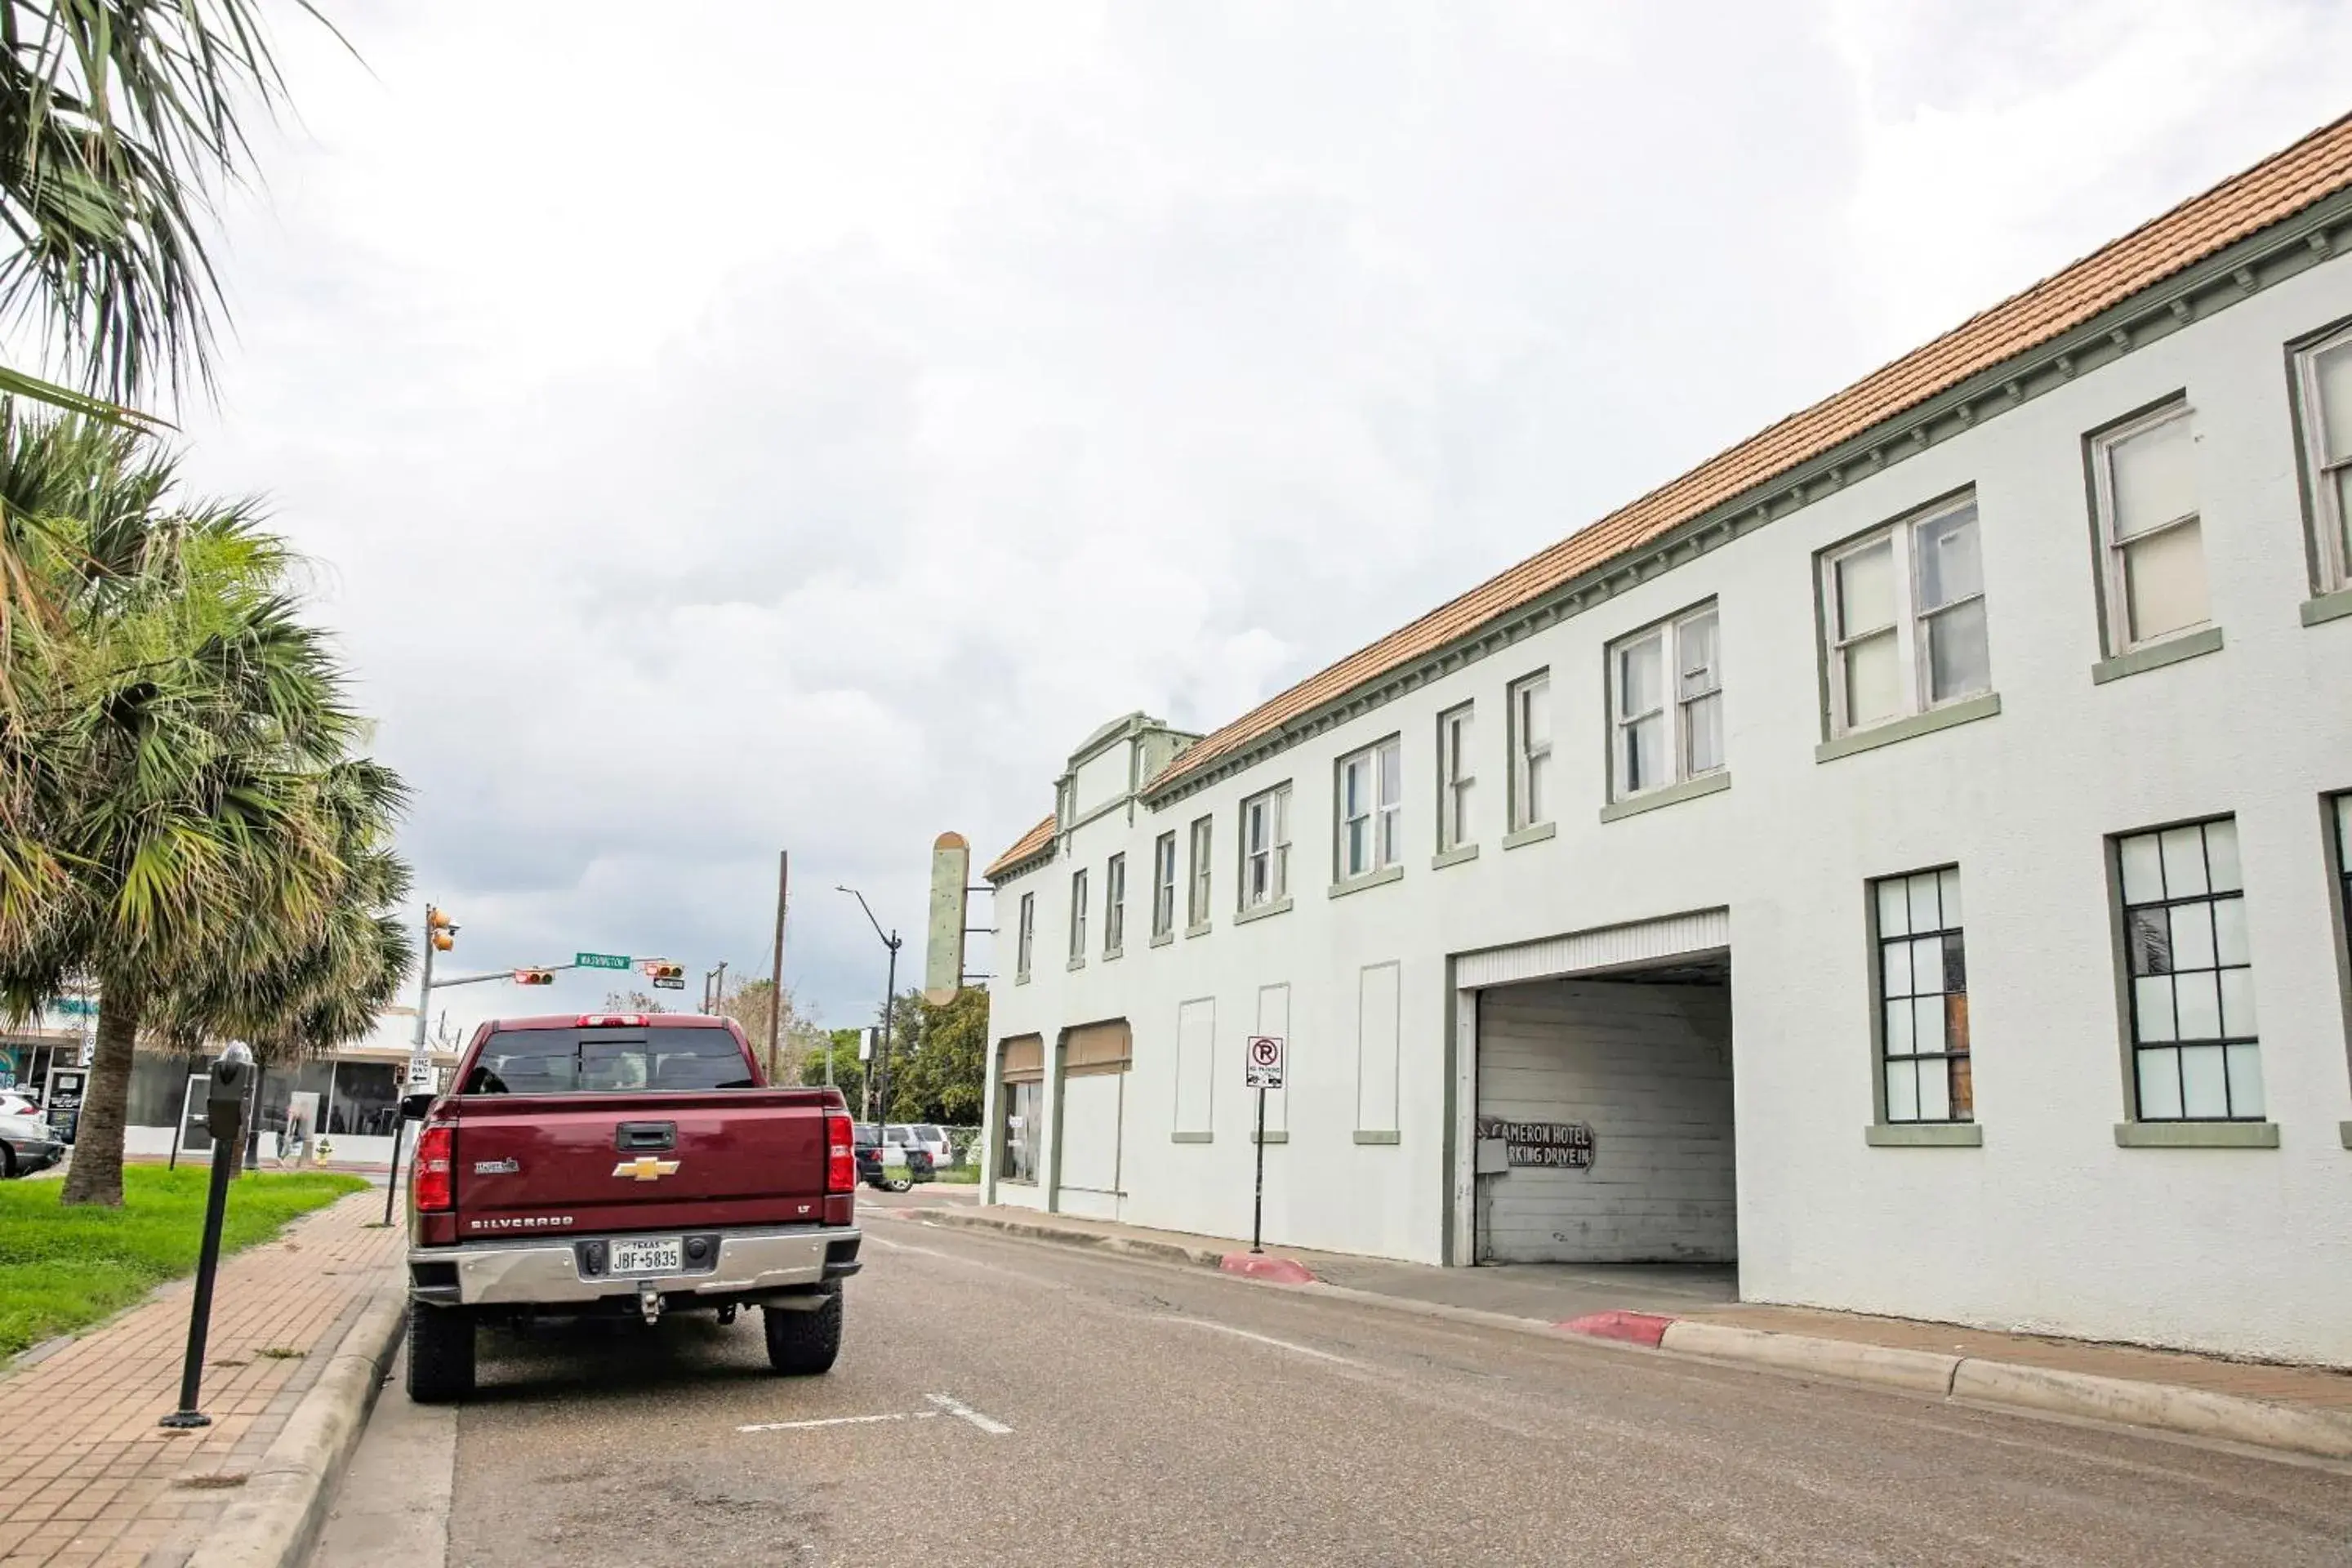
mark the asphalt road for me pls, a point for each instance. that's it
(1006, 1401)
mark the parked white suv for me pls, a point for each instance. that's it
(930, 1140)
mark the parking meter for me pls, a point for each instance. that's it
(225, 1096)
(232, 1075)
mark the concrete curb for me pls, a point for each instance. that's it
(275, 1521)
(2161, 1406)
(2197, 1412)
(1920, 1372)
(1131, 1247)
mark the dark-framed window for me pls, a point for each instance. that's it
(2196, 1054)
(2343, 858)
(1923, 988)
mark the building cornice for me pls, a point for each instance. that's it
(2262, 260)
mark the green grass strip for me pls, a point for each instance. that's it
(63, 1268)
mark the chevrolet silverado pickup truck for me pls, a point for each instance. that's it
(625, 1164)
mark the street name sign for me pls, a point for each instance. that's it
(600, 961)
(1262, 1061)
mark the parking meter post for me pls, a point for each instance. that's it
(392, 1172)
(223, 1110)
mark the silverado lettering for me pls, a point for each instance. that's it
(530, 1221)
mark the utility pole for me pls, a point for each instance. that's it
(776, 972)
(439, 934)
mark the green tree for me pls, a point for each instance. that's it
(938, 1061)
(840, 1047)
(295, 999)
(168, 798)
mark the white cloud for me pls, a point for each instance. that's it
(752, 425)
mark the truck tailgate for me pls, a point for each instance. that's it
(639, 1161)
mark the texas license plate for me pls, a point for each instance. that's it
(649, 1255)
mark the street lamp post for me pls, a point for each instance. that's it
(880, 1102)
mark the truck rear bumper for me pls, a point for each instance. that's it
(549, 1273)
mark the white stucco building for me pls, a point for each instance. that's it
(1907, 854)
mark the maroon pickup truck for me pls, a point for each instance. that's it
(625, 1164)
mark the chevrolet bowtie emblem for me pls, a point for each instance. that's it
(646, 1168)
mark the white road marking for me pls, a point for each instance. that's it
(1268, 1340)
(838, 1421)
(954, 1407)
(918, 1251)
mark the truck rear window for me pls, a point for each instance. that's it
(606, 1061)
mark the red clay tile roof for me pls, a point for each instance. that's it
(1028, 844)
(2279, 187)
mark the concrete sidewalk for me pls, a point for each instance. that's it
(1694, 1310)
(87, 1477)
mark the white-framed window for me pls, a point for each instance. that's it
(1665, 698)
(1905, 618)
(1078, 915)
(2323, 384)
(1531, 751)
(1266, 847)
(1196, 905)
(1025, 939)
(1923, 995)
(1115, 905)
(2195, 1053)
(1371, 808)
(1163, 884)
(2151, 540)
(1457, 777)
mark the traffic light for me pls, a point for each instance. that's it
(439, 928)
(665, 975)
(534, 978)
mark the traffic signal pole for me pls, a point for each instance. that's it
(439, 933)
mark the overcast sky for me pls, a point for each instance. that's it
(724, 428)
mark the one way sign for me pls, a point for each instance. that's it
(1262, 1061)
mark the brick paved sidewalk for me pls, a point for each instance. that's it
(87, 1477)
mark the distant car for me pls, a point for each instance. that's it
(888, 1163)
(26, 1144)
(932, 1140)
(14, 1104)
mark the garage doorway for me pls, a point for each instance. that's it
(1090, 1114)
(1602, 1130)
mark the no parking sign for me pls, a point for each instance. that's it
(1262, 1061)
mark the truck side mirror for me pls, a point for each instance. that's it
(412, 1107)
(225, 1093)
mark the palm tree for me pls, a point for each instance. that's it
(168, 789)
(294, 999)
(118, 121)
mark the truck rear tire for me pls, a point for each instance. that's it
(440, 1355)
(805, 1344)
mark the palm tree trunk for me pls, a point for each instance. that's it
(96, 1173)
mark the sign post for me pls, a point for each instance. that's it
(1261, 1069)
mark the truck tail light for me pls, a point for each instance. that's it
(841, 1158)
(435, 1177)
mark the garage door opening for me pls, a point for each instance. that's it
(1604, 1117)
(1091, 1113)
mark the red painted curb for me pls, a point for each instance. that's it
(1634, 1328)
(1264, 1266)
